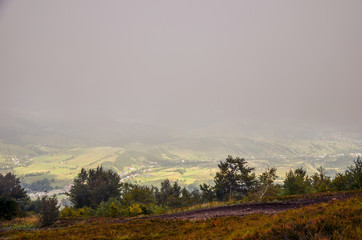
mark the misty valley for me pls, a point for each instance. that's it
(185, 119)
(51, 159)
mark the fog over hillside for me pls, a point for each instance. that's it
(96, 72)
(113, 111)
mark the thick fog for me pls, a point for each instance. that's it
(182, 61)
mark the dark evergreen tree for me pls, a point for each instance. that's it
(234, 178)
(8, 208)
(33, 205)
(190, 198)
(297, 182)
(354, 174)
(140, 195)
(95, 186)
(10, 187)
(169, 195)
(12, 196)
(80, 193)
(340, 182)
(49, 212)
(320, 181)
(164, 193)
(126, 188)
(207, 193)
(351, 178)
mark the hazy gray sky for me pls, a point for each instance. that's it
(183, 60)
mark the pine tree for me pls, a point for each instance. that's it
(234, 177)
(95, 186)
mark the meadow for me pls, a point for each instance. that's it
(137, 167)
(333, 220)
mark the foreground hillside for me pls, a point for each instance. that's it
(337, 219)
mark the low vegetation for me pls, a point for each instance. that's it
(98, 193)
(334, 220)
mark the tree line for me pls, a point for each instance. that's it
(100, 192)
(99, 189)
(14, 202)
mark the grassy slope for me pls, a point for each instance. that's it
(334, 220)
(64, 165)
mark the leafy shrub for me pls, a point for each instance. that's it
(67, 212)
(139, 194)
(85, 212)
(155, 209)
(70, 212)
(113, 210)
(135, 209)
(110, 208)
(146, 209)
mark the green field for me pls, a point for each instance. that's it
(63, 166)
